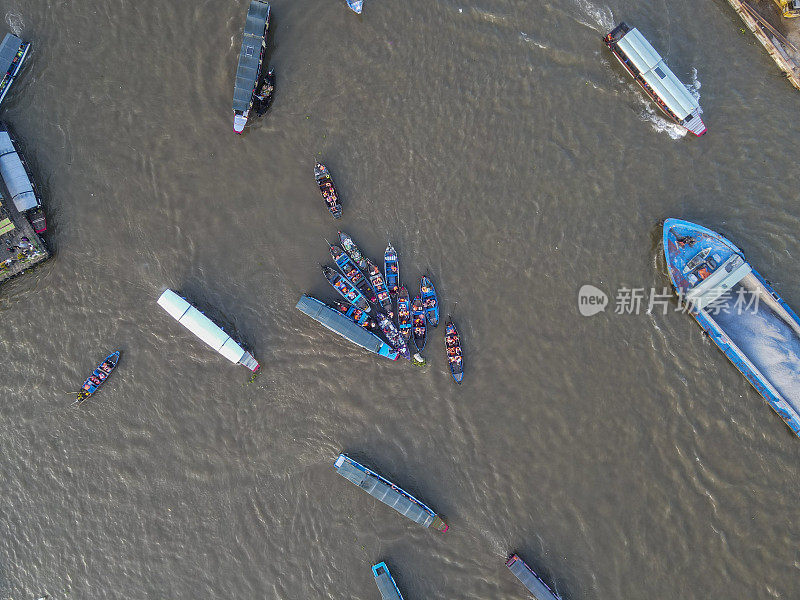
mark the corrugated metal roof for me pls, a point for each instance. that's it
(250, 55)
(8, 50)
(15, 176)
(529, 579)
(385, 583)
(339, 323)
(657, 74)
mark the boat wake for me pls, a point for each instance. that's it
(600, 18)
(529, 40)
(15, 22)
(659, 123)
(694, 88)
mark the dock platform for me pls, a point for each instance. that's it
(20, 246)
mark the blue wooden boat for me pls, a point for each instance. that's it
(392, 335)
(343, 326)
(251, 59)
(355, 314)
(429, 301)
(391, 269)
(452, 344)
(328, 190)
(356, 5)
(388, 493)
(739, 311)
(379, 285)
(12, 54)
(98, 377)
(352, 250)
(404, 313)
(529, 579)
(351, 272)
(348, 292)
(418, 321)
(385, 582)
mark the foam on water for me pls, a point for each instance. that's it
(528, 39)
(15, 22)
(600, 18)
(660, 123)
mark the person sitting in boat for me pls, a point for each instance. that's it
(106, 367)
(87, 386)
(95, 380)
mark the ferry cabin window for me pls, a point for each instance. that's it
(659, 72)
(249, 52)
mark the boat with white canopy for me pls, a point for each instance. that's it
(18, 181)
(650, 71)
(204, 328)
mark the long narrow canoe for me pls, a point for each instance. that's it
(352, 250)
(429, 301)
(388, 493)
(392, 335)
(739, 311)
(385, 582)
(529, 579)
(452, 343)
(404, 313)
(379, 285)
(355, 314)
(343, 326)
(98, 377)
(351, 272)
(347, 291)
(391, 269)
(418, 318)
(328, 189)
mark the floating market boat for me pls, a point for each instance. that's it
(392, 335)
(355, 314)
(429, 301)
(348, 292)
(12, 54)
(529, 579)
(351, 272)
(392, 270)
(19, 182)
(739, 311)
(352, 250)
(343, 326)
(388, 493)
(385, 582)
(452, 344)
(356, 5)
(98, 377)
(404, 313)
(262, 99)
(325, 183)
(204, 328)
(650, 71)
(418, 319)
(251, 59)
(379, 285)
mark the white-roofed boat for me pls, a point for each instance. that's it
(12, 54)
(650, 71)
(18, 181)
(204, 328)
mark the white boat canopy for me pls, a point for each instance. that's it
(657, 74)
(200, 325)
(15, 176)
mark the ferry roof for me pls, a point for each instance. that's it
(657, 74)
(250, 55)
(8, 51)
(200, 325)
(339, 323)
(14, 175)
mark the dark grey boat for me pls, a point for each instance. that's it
(388, 493)
(385, 582)
(251, 57)
(529, 579)
(12, 54)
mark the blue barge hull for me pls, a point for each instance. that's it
(385, 582)
(740, 311)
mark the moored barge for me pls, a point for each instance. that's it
(739, 311)
(388, 493)
(12, 54)
(650, 71)
(251, 60)
(529, 579)
(385, 582)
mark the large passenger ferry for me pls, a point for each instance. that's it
(12, 54)
(651, 72)
(251, 59)
(388, 493)
(739, 311)
(18, 181)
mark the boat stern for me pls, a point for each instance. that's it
(239, 121)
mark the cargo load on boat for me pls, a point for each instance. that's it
(388, 493)
(740, 311)
(204, 328)
(650, 71)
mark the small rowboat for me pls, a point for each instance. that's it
(429, 301)
(418, 320)
(262, 99)
(392, 335)
(376, 279)
(347, 291)
(355, 314)
(351, 272)
(98, 377)
(352, 250)
(392, 270)
(404, 313)
(453, 346)
(325, 183)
